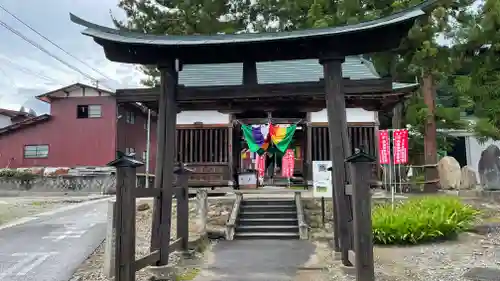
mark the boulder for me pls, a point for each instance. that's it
(468, 178)
(449, 173)
(489, 168)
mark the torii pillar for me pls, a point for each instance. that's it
(339, 151)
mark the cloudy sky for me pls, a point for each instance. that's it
(26, 71)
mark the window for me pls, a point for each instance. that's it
(130, 117)
(88, 111)
(36, 151)
(129, 151)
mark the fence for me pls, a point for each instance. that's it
(90, 184)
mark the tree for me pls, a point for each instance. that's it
(182, 17)
(421, 55)
(479, 79)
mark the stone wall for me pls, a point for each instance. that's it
(60, 184)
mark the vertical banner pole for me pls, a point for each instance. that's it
(391, 165)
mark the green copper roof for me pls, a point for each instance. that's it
(366, 37)
(121, 36)
(230, 74)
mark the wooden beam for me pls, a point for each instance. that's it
(150, 259)
(297, 89)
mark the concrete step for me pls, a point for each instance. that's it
(267, 228)
(268, 208)
(267, 214)
(268, 221)
(268, 235)
(267, 201)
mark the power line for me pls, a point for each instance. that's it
(29, 71)
(34, 44)
(53, 43)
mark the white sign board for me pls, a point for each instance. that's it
(322, 182)
(247, 178)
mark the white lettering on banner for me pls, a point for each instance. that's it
(384, 148)
(400, 146)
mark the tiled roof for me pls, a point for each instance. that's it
(354, 68)
(13, 113)
(25, 123)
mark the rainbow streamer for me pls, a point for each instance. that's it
(282, 136)
(257, 137)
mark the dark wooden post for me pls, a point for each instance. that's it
(125, 217)
(182, 196)
(167, 122)
(339, 149)
(363, 237)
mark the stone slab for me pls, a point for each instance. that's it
(257, 260)
(483, 274)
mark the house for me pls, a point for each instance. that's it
(85, 127)
(9, 117)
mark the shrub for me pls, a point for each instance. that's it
(16, 175)
(421, 220)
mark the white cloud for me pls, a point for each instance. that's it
(26, 71)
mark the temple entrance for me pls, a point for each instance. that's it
(245, 159)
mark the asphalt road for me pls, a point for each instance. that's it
(51, 247)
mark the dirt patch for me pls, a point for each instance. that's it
(92, 268)
(11, 209)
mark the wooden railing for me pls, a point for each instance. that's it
(126, 194)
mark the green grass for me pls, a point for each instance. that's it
(296, 187)
(420, 220)
(188, 275)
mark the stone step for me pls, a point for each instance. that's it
(267, 235)
(268, 208)
(268, 221)
(267, 201)
(267, 214)
(267, 228)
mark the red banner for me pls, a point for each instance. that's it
(261, 165)
(400, 146)
(288, 164)
(384, 148)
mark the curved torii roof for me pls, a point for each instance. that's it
(362, 38)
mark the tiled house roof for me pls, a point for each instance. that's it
(354, 68)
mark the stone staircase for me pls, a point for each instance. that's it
(261, 218)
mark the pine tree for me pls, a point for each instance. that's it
(479, 78)
(182, 17)
(420, 55)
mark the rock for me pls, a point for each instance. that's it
(449, 173)
(489, 168)
(143, 207)
(468, 179)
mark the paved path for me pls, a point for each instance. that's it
(257, 260)
(51, 247)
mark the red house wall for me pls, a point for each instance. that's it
(72, 142)
(135, 135)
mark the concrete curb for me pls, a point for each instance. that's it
(24, 220)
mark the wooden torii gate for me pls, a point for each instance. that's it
(170, 53)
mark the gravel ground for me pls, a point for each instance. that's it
(12, 209)
(92, 268)
(432, 262)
